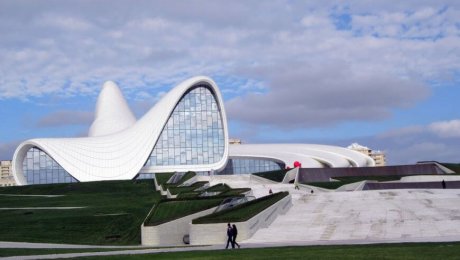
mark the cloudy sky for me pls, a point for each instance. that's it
(385, 74)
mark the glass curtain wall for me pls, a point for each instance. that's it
(194, 133)
(247, 166)
(39, 168)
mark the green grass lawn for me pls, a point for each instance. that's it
(409, 251)
(242, 212)
(4, 252)
(163, 177)
(188, 175)
(194, 186)
(189, 195)
(277, 176)
(235, 192)
(453, 166)
(218, 187)
(173, 209)
(113, 213)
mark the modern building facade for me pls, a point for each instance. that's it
(234, 141)
(377, 155)
(185, 131)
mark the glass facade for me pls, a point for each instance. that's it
(39, 168)
(144, 176)
(194, 133)
(247, 166)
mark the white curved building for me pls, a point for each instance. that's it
(185, 131)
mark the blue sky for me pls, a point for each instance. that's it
(384, 74)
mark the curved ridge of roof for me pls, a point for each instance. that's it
(112, 112)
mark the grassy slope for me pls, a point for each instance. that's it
(453, 166)
(174, 209)
(185, 189)
(410, 251)
(277, 176)
(4, 252)
(242, 212)
(218, 187)
(188, 175)
(163, 177)
(235, 192)
(130, 200)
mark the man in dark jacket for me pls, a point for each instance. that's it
(234, 234)
(229, 236)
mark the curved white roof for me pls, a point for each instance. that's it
(120, 155)
(309, 155)
(118, 145)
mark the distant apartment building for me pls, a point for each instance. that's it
(378, 156)
(234, 141)
(6, 176)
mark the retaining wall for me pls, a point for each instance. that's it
(291, 175)
(216, 233)
(170, 233)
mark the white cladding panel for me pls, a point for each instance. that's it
(309, 155)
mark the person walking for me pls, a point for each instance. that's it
(229, 236)
(443, 184)
(234, 234)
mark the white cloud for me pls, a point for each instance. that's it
(66, 23)
(70, 49)
(7, 149)
(401, 132)
(155, 23)
(441, 129)
(317, 22)
(446, 128)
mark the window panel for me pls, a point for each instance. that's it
(38, 168)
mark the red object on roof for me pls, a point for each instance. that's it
(297, 164)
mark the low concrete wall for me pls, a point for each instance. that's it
(352, 186)
(166, 192)
(170, 233)
(206, 234)
(159, 188)
(430, 178)
(291, 175)
(170, 196)
(307, 175)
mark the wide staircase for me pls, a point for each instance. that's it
(391, 215)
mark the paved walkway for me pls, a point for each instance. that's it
(214, 247)
(5, 244)
(34, 208)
